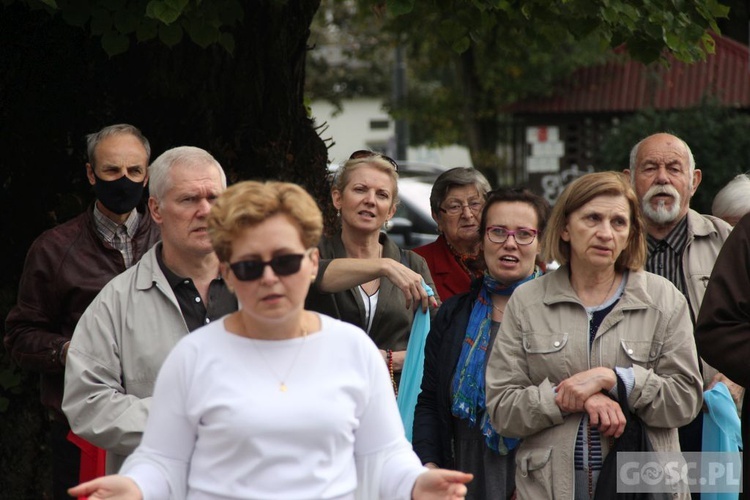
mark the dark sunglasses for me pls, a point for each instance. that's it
(282, 265)
(366, 153)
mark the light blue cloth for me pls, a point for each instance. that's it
(721, 429)
(411, 374)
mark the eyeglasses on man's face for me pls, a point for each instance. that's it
(500, 234)
(282, 265)
(366, 153)
(456, 208)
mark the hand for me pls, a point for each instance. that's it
(108, 487)
(410, 284)
(605, 414)
(439, 484)
(573, 392)
(735, 390)
(397, 357)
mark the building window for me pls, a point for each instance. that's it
(379, 124)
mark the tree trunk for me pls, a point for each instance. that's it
(56, 85)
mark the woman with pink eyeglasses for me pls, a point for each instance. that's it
(451, 425)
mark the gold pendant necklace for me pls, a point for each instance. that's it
(282, 380)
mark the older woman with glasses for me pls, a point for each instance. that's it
(370, 270)
(567, 337)
(451, 426)
(273, 401)
(456, 201)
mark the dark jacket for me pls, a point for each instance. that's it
(722, 331)
(433, 422)
(450, 278)
(391, 325)
(65, 269)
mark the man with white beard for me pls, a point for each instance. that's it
(682, 244)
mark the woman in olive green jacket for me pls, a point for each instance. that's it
(368, 275)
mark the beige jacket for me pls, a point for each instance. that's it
(117, 350)
(544, 339)
(706, 235)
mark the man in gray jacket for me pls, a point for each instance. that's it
(682, 244)
(125, 334)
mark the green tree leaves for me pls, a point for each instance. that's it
(717, 137)
(118, 22)
(166, 11)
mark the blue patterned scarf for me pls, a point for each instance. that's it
(468, 381)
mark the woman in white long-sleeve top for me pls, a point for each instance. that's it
(273, 401)
(567, 336)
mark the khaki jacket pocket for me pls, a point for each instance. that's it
(534, 473)
(545, 355)
(639, 352)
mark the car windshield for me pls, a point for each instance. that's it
(416, 193)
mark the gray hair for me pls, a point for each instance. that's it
(458, 176)
(733, 200)
(185, 156)
(93, 140)
(634, 156)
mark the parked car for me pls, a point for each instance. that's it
(412, 225)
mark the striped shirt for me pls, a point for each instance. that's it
(118, 236)
(665, 256)
(588, 448)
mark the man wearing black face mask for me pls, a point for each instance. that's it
(68, 265)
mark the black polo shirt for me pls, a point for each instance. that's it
(220, 300)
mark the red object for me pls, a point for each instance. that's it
(449, 276)
(624, 85)
(541, 134)
(92, 459)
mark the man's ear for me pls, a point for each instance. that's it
(153, 208)
(697, 178)
(90, 173)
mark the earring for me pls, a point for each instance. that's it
(387, 225)
(338, 213)
(229, 287)
(312, 278)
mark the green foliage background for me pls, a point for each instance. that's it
(718, 137)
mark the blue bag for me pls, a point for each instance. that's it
(411, 375)
(721, 431)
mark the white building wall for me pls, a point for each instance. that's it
(352, 129)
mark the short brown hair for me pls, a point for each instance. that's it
(249, 203)
(577, 194)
